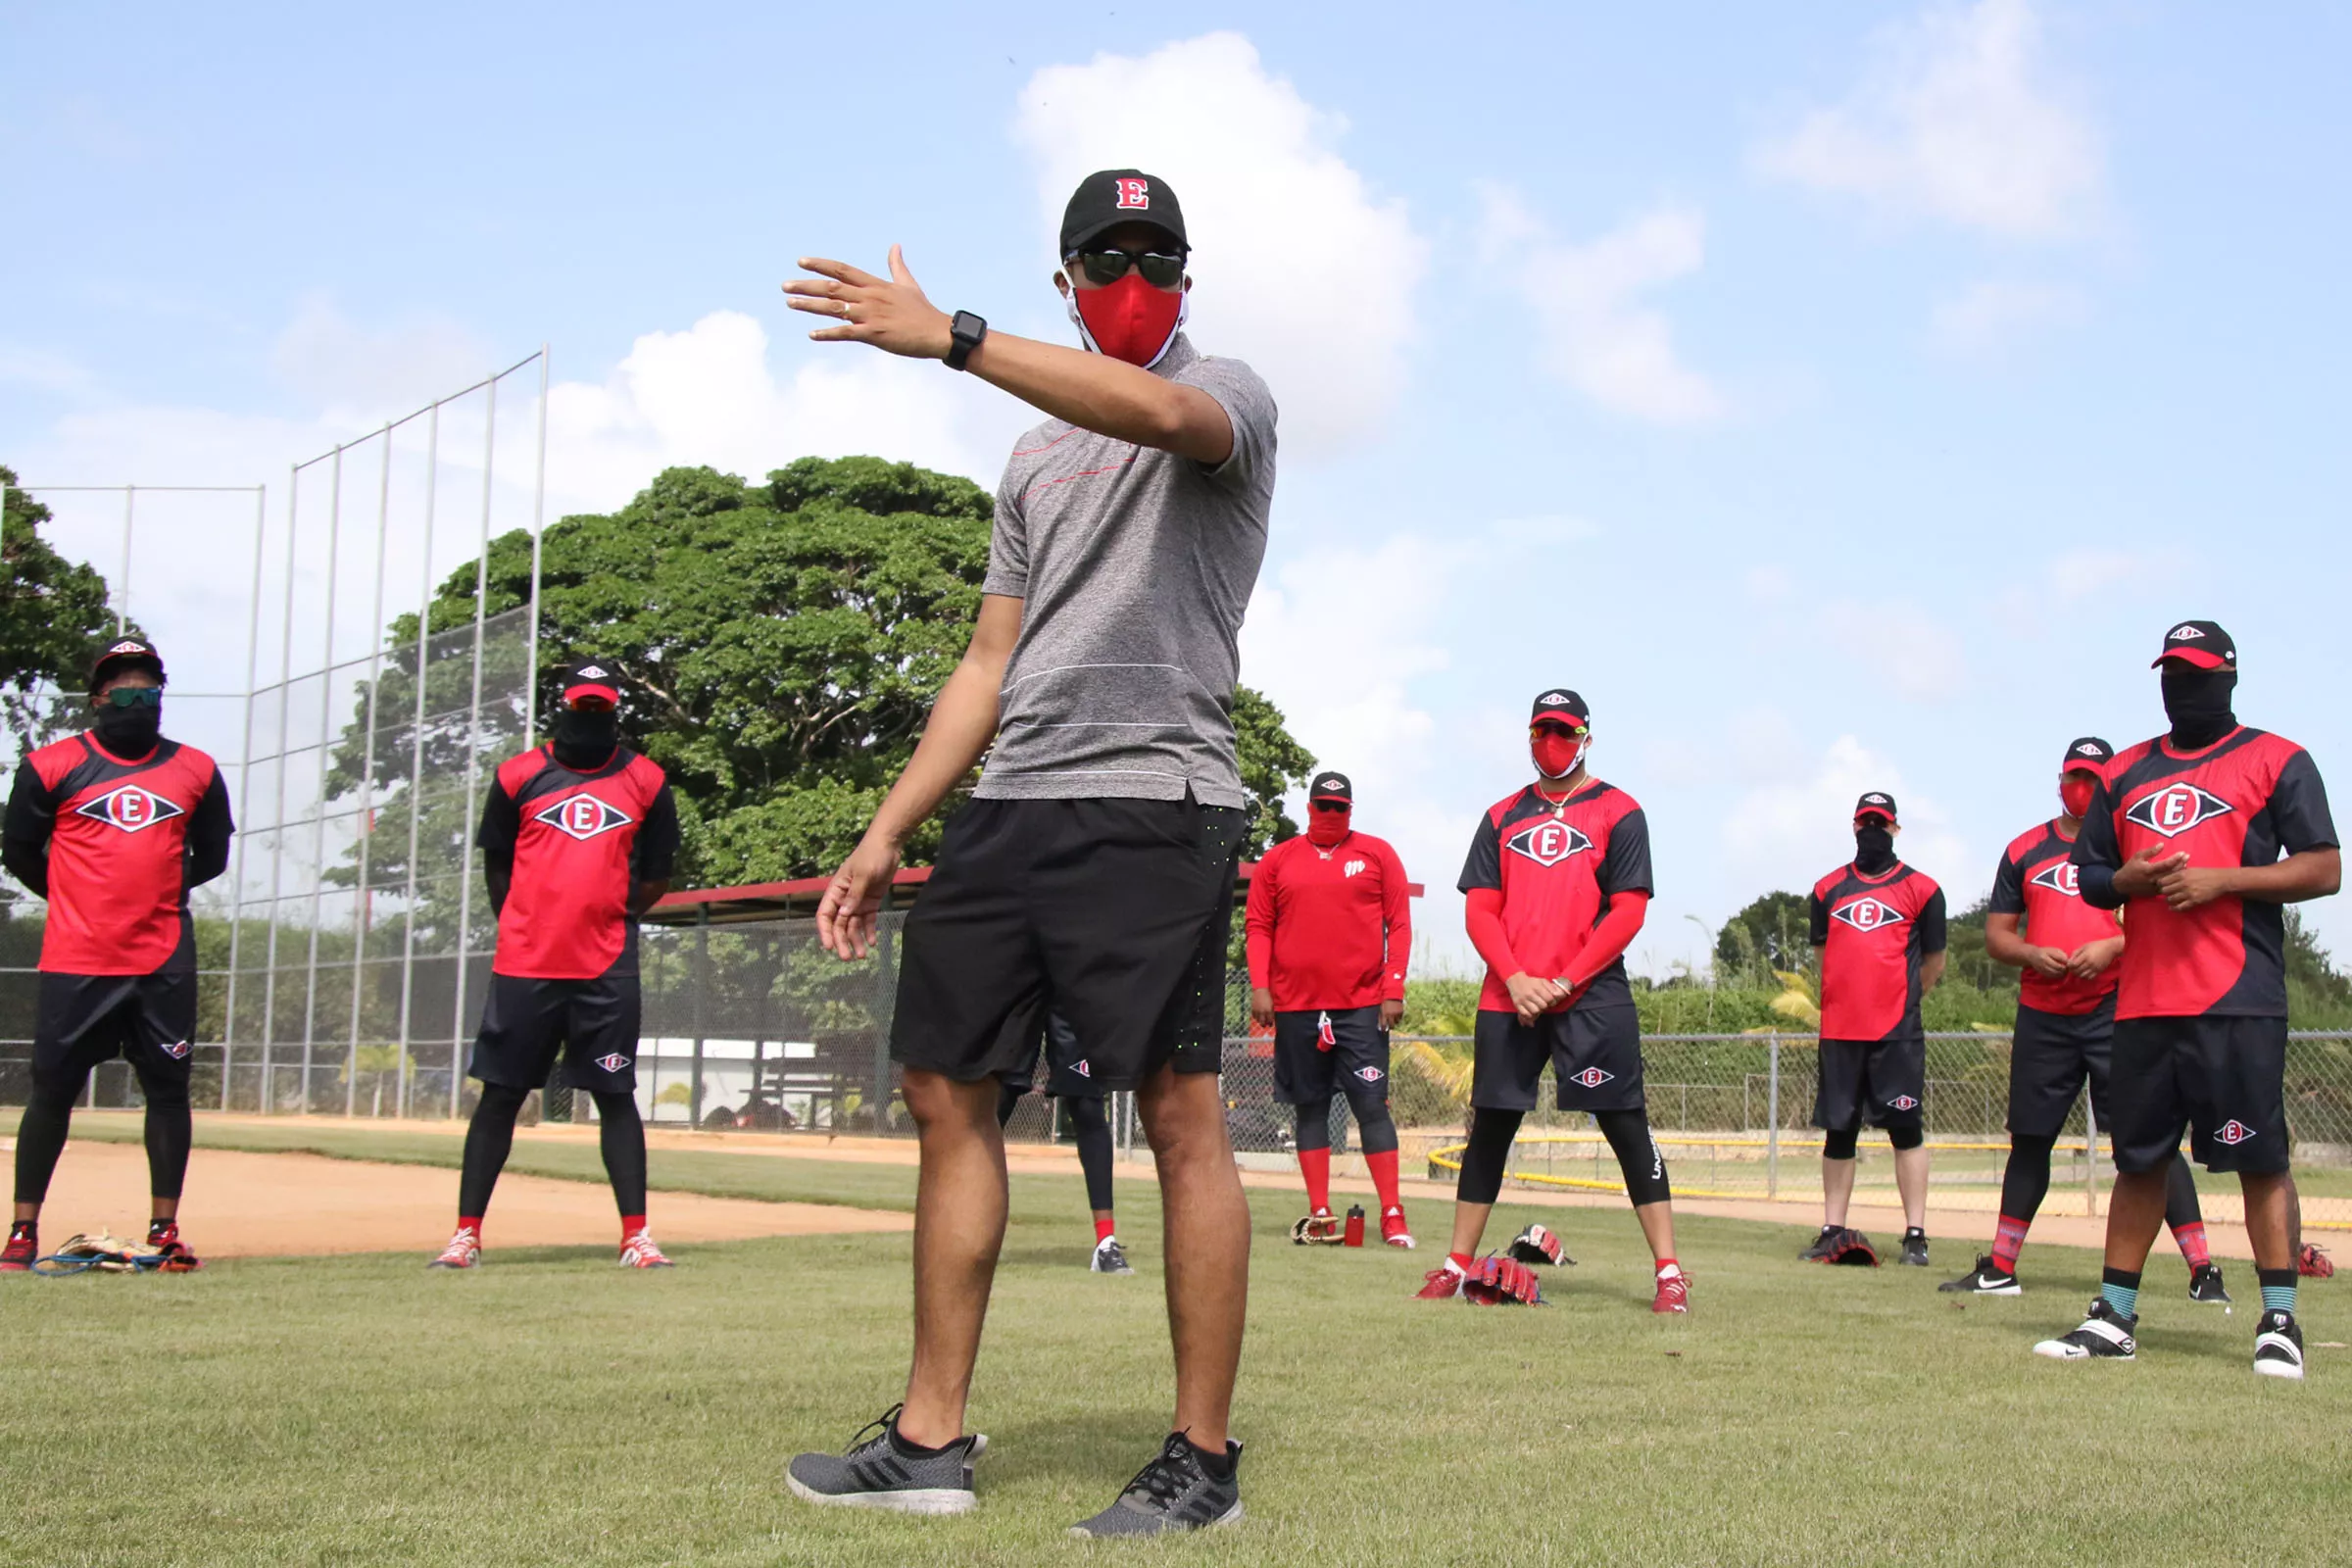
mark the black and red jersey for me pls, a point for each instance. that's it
(564, 848)
(2037, 879)
(1329, 928)
(1872, 933)
(2243, 801)
(115, 847)
(1557, 866)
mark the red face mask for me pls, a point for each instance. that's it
(1556, 756)
(1128, 320)
(1326, 828)
(2075, 791)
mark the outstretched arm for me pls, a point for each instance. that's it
(1093, 391)
(962, 723)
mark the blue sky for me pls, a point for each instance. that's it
(1838, 397)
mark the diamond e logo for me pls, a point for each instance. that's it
(1548, 842)
(1867, 915)
(583, 817)
(2176, 809)
(2059, 876)
(129, 807)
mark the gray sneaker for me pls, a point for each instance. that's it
(1111, 1257)
(1173, 1493)
(874, 1474)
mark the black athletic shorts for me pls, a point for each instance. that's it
(2221, 1080)
(1115, 911)
(1871, 1083)
(84, 1019)
(1070, 1075)
(1595, 1053)
(2050, 1057)
(593, 1023)
(1313, 1050)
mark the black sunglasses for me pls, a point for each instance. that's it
(1160, 268)
(137, 697)
(1329, 805)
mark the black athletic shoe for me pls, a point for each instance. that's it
(874, 1474)
(2279, 1346)
(1987, 1278)
(1173, 1493)
(1915, 1249)
(1824, 1245)
(1111, 1257)
(2105, 1336)
(2205, 1285)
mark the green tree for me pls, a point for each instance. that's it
(782, 644)
(52, 616)
(1772, 932)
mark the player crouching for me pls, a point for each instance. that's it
(1558, 882)
(578, 837)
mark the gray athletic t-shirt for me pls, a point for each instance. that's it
(1135, 566)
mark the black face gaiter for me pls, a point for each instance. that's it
(584, 742)
(130, 733)
(1873, 849)
(2197, 702)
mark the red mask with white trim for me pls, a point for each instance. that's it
(1129, 319)
(2075, 791)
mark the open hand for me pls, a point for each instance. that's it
(892, 313)
(846, 916)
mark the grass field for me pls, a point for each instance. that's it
(551, 1408)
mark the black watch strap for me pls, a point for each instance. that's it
(966, 331)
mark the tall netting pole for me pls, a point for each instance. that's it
(473, 767)
(122, 590)
(277, 831)
(425, 630)
(326, 721)
(367, 819)
(530, 658)
(236, 893)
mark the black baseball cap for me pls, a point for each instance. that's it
(125, 653)
(592, 677)
(2201, 643)
(2088, 751)
(1331, 786)
(1878, 803)
(1560, 703)
(1113, 196)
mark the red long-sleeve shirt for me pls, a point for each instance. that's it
(1329, 928)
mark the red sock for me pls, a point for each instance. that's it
(471, 1222)
(1104, 1228)
(2191, 1237)
(2008, 1239)
(1315, 1166)
(1460, 1260)
(1665, 1263)
(1383, 1167)
(630, 1225)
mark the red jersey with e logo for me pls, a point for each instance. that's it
(2243, 801)
(1557, 866)
(1873, 931)
(117, 854)
(2038, 880)
(566, 911)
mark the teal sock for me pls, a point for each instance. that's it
(2277, 1289)
(2120, 1290)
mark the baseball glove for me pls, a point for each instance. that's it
(1316, 1230)
(1537, 1245)
(1851, 1248)
(2314, 1264)
(108, 1253)
(1496, 1281)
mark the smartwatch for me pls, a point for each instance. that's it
(965, 332)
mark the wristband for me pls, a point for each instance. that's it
(964, 333)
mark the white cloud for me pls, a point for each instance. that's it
(333, 362)
(1957, 119)
(1598, 334)
(1898, 644)
(1769, 584)
(1256, 165)
(1992, 313)
(1793, 825)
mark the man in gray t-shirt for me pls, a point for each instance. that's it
(1093, 871)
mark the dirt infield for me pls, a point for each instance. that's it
(277, 1206)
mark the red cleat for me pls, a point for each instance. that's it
(1440, 1284)
(24, 1246)
(2311, 1263)
(1393, 1229)
(639, 1252)
(176, 1257)
(1674, 1293)
(464, 1250)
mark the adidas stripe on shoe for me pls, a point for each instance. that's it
(875, 1474)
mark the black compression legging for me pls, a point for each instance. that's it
(1090, 1127)
(490, 1138)
(1375, 1128)
(2026, 1181)
(49, 1112)
(1628, 1133)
